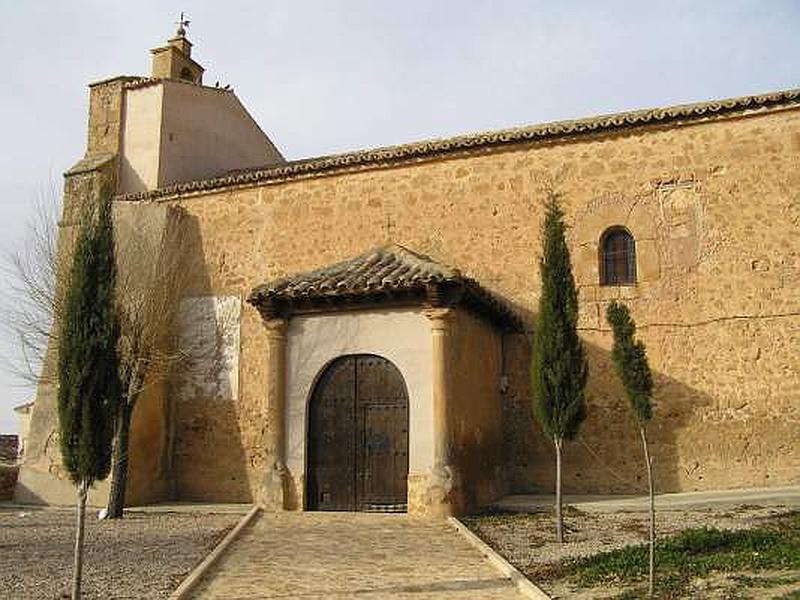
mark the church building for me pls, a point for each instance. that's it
(368, 316)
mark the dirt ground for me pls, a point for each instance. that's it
(528, 542)
(143, 556)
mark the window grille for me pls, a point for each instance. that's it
(617, 257)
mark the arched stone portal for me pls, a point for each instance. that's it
(358, 437)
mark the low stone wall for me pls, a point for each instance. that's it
(8, 480)
(9, 448)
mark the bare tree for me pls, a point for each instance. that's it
(154, 272)
(151, 281)
(156, 269)
(31, 304)
(150, 240)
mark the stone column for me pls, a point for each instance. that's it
(443, 496)
(273, 494)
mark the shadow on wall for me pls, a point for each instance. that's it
(606, 455)
(208, 458)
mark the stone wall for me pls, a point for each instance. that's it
(715, 212)
(9, 453)
(8, 481)
(105, 116)
(9, 448)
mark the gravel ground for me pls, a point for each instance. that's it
(143, 556)
(528, 540)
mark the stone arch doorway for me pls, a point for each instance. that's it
(358, 437)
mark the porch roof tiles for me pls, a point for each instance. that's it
(385, 275)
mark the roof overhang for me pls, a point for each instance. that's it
(386, 277)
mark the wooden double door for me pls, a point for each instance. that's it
(358, 437)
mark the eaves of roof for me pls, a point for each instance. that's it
(386, 276)
(426, 150)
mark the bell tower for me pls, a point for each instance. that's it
(174, 61)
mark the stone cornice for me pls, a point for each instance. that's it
(427, 150)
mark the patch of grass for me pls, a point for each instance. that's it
(696, 553)
(765, 581)
(494, 515)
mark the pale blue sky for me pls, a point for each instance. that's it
(328, 75)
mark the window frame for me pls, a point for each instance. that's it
(604, 260)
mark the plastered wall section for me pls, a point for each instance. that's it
(400, 336)
(715, 211)
(209, 333)
(176, 131)
(141, 139)
(207, 132)
(475, 409)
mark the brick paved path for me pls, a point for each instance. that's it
(309, 556)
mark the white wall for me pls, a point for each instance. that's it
(208, 331)
(141, 135)
(401, 336)
(175, 132)
(206, 132)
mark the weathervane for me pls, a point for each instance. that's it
(182, 24)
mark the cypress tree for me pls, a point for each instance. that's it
(88, 377)
(559, 368)
(630, 361)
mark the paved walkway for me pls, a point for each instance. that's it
(307, 556)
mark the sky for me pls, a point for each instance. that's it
(326, 76)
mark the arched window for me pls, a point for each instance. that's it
(186, 74)
(617, 257)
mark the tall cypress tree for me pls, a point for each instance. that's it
(630, 361)
(559, 368)
(88, 377)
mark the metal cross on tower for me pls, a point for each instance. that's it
(182, 24)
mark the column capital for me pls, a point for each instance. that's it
(276, 328)
(439, 317)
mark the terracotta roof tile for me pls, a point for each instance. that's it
(380, 275)
(392, 267)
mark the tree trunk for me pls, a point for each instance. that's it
(649, 463)
(119, 468)
(559, 515)
(78, 565)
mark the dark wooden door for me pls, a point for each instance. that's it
(332, 438)
(358, 437)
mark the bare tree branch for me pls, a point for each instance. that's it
(31, 302)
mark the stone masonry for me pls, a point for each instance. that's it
(714, 209)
